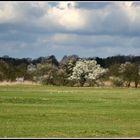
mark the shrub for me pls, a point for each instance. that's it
(116, 81)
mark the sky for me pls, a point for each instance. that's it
(87, 29)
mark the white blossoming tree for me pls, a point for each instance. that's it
(86, 70)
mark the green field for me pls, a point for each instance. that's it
(65, 112)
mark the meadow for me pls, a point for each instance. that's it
(35, 111)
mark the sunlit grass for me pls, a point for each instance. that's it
(41, 111)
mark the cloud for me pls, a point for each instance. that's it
(92, 5)
(68, 18)
(111, 18)
(102, 45)
(86, 28)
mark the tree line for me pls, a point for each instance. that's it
(72, 70)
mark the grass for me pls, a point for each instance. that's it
(64, 112)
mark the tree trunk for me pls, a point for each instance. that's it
(128, 84)
(136, 84)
